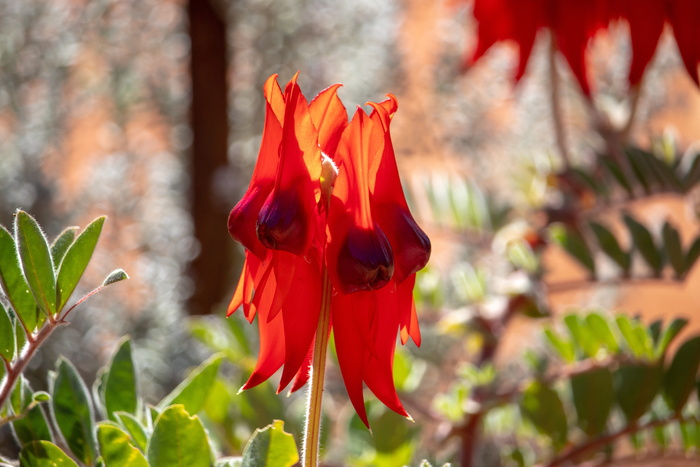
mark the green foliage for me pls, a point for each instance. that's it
(72, 412)
(574, 244)
(36, 290)
(543, 407)
(31, 424)
(76, 260)
(194, 390)
(44, 454)
(270, 447)
(36, 261)
(117, 447)
(120, 388)
(143, 436)
(178, 439)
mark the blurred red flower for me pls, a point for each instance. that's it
(363, 232)
(573, 23)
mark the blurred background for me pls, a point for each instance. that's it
(151, 111)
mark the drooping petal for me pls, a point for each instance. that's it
(300, 314)
(683, 16)
(574, 24)
(242, 220)
(286, 219)
(379, 364)
(359, 253)
(411, 246)
(503, 20)
(272, 345)
(646, 22)
(351, 315)
(407, 311)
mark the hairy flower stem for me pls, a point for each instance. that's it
(312, 429)
(555, 101)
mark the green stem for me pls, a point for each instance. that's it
(312, 430)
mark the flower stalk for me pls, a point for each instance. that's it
(312, 428)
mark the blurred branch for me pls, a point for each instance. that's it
(570, 456)
(567, 286)
(555, 101)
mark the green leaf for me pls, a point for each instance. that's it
(600, 328)
(7, 335)
(76, 259)
(593, 396)
(669, 334)
(61, 243)
(390, 432)
(679, 381)
(36, 261)
(662, 437)
(573, 243)
(673, 248)
(611, 247)
(663, 172)
(115, 276)
(192, 393)
(117, 449)
(178, 440)
(692, 175)
(73, 413)
(640, 170)
(692, 255)
(271, 447)
(136, 430)
(687, 430)
(565, 348)
(543, 407)
(636, 386)
(44, 454)
(614, 169)
(120, 391)
(638, 341)
(15, 285)
(587, 343)
(644, 243)
(34, 425)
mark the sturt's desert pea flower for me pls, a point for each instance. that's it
(574, 23)
(325, 203)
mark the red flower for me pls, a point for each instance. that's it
(364, 234)
(375, 248)
(575, 22)
(684, 16)
(572, 22)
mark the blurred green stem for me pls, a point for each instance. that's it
(555, 101)
(312, 429)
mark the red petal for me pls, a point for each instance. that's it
(286, 220)
(351, 314)
(272, 344)
(411, 246)
(330, 118)
(378, 368)
(683, 15)
(243, 217)
(359, 254)
(646, 21)
(300, 314)
(407, 311)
